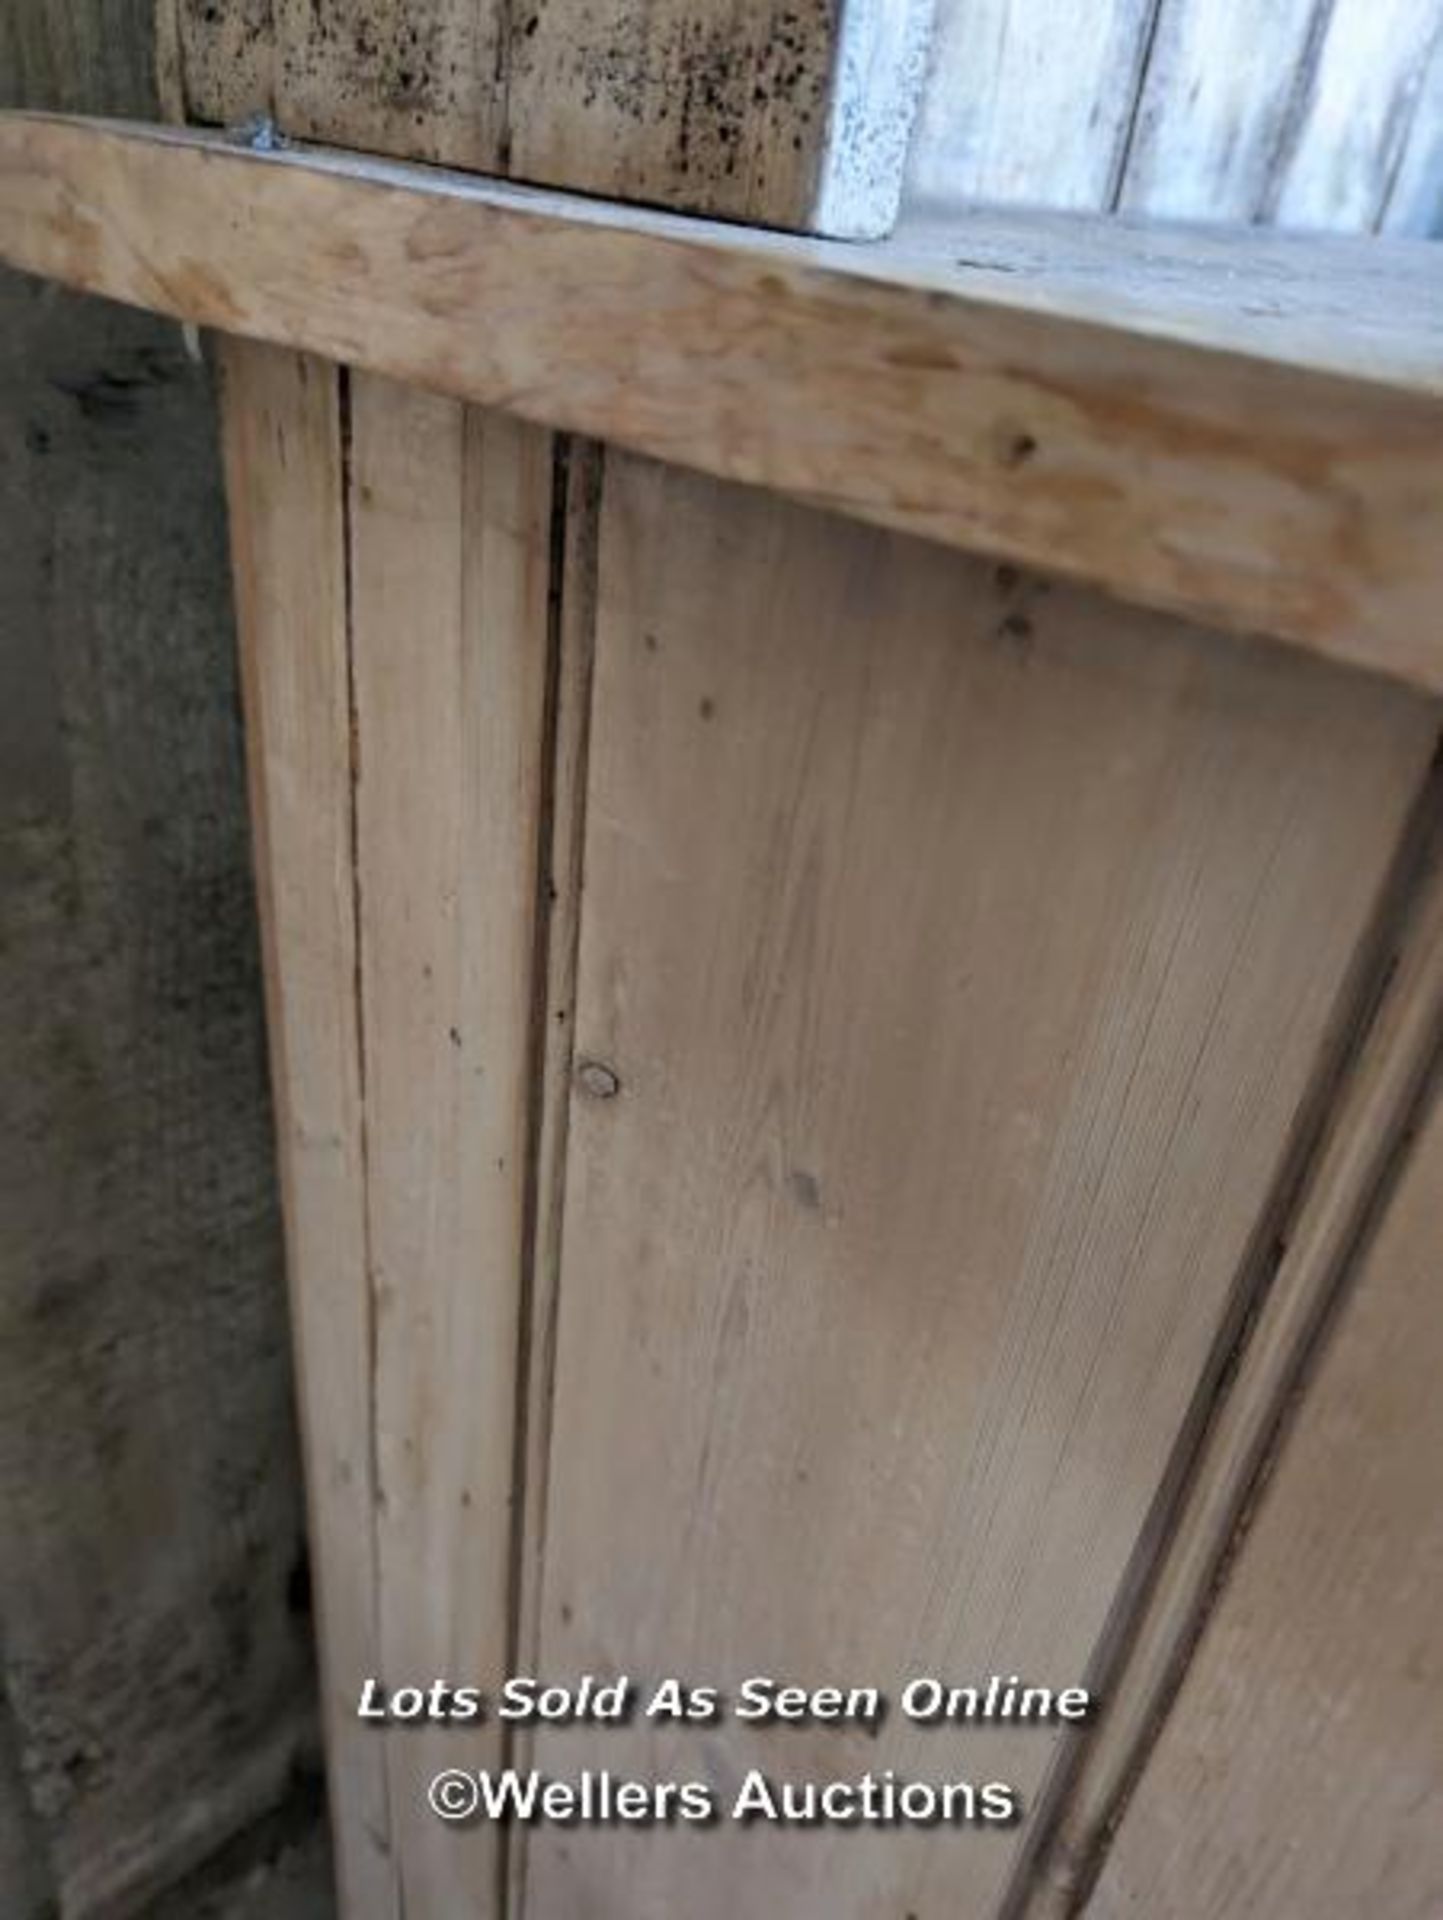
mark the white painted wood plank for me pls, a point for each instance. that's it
(1027, 102)
(1360, 107)
(1415, 201)
(1214, 108)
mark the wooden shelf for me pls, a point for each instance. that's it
(1249, 431)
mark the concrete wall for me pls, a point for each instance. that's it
(154, 1633)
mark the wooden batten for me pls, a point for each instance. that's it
(1272, 472)
(285, 482)
(791, 116)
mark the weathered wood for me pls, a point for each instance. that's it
(76, 57)
(1266, 471)
(1363, 99)
(790, 115)
(794, 115)
(1368, 1121)
(1301, 1769)
(1307, 113)
(964, 953)
(421, 79)
(287, 506)
(225, 55)
(397, 744)
(1415, 198)
(1294, 112)
(27, 1881)
(450, 537)
(1028, 102)
(1225, 87)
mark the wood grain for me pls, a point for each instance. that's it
(227, 57)
(797, 115)
(1295, 113)
(1367, 1127)
(1301, 1770)
(890, 851)
(420, 79)
(1363, 103)
(284, 478)
(1028, 102)
(397, 723)
(1305, 113)
(574, 601)
(1264, 470)
(450, 531)
(792, 115)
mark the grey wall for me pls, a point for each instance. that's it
(154, 1645)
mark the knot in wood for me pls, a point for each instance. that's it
(597, 1079)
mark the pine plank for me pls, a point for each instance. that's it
(1028, 102)
(964, 951)
(397, 773)
(285, 482)
(1265, 469)
(450, 532)
(1301, 1769)
(1367, 1128)
(1225, 85)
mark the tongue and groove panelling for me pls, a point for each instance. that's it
(964, 953)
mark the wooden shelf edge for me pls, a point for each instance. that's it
(1259, 449)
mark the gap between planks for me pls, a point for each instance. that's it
(1390, 1038)
(571, 642)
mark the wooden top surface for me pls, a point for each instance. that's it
(1244, 428)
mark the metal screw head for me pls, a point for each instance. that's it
(597, 1079)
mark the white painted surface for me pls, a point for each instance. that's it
(1028, 101)
(1316, 114)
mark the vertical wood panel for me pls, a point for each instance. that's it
(396, 726)
(964, 951)
(795, 115)
(285, 481)
(450, 547)
(1028, 102)
(1303, 113)
(1415, 198)
(1294, 113)
(1301, 1770)
(1367, 1127)
(1365, 95)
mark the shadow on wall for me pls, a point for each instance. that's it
(153, 1607)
